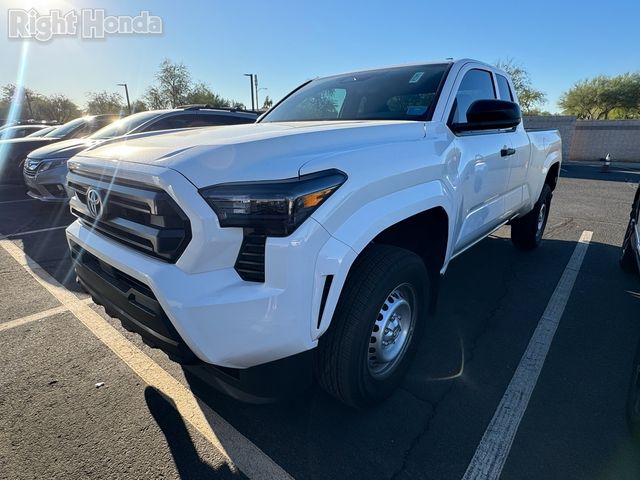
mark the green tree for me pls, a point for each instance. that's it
(104, 102)
(55, 107)
(604, 97)
(21, 98)
(200, 93)
(174, 87)
(268, 103)
(530, 99)
(138, 106)
(173, 84)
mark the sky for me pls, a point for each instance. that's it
(288, 42)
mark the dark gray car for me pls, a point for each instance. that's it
(14, 152)
(45, 170)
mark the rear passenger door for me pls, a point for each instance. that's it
(516, 194)
(483, 171)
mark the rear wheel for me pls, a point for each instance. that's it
(363, 356)
(527, 232)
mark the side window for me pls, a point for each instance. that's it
(504, 89)
(169, 123)
(476, 85)
(81, 132)
(208, 119)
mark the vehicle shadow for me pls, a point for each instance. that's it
(616, 173)
(464, 364)
(183, 450)
(490, 302)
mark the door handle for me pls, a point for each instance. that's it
(505, 152)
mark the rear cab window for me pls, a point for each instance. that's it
(503, 88)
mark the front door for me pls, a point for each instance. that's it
(484, 164)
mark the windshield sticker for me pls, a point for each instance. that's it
(416, 77)
(416, 110)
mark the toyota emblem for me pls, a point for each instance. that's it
(94, 202)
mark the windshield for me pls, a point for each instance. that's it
(64, 130)
(124, 126)
(8, 133)
(399, 93)
(42, 132)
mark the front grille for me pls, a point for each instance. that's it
(140, 216)
(250, 261)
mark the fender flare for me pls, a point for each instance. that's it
(352, 237)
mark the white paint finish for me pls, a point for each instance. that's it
(271, 320)
(395, 169)
(493, 450)
(239, 451)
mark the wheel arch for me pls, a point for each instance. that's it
(553, 173)
(431, 218)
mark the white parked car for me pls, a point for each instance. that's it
(316, 235)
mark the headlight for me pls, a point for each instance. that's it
(49, 164)
(277, 207)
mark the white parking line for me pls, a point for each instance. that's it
(32, 318)
(30, 232)
(38, 316)
(492, 452)
(239, 451)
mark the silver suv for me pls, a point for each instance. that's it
(45, 169)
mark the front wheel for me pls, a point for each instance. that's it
(526, 232)
(365, 353)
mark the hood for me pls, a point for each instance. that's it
(260, 151)
(63, 149)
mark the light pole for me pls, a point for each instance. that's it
(255, 80)
(126, 92)
(250, 75)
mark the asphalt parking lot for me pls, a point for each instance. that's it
(141, 421)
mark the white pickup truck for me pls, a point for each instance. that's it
(315, 237)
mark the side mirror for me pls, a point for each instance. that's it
(490, 115)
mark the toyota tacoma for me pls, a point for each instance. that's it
(312, 240)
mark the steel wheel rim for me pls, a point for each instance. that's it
(542, 218)
(392, 331)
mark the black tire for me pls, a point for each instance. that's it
(344, 364)
(628, 261)
(527, 232)
(633, 398)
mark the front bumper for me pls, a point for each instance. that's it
(216, 316)
(48, 186)
(139, 311)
